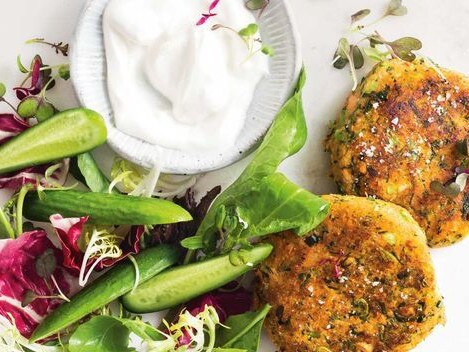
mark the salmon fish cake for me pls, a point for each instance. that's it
(397, 139)
(362, 281)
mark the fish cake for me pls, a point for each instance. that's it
(362, 281)
(397, 140)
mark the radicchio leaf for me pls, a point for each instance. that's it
(174, 233)
(225, 301)
(20, 279)
(69, 231)
(10, 126)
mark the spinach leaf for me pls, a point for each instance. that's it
(272, 205)
(244, 330)
(85, 170)
(100, 334)
(262, 201)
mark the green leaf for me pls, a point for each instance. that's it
(358, 59)
(20, 65)
(143, 330)
(375, 54)
(3, 90)
(267, 50)
(28, 107)
(64, 71)
(100, 334)
(256, 4)
(395, 8)
(359, 15)
(45, 110)
(341, 55)
(28, 297)
(249, 31)
(288, 206)
(46, 264)
(404, 48)
(91, 174)
(280, 205)
(244, 330)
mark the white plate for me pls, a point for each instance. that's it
(89, 77)
(441, 25)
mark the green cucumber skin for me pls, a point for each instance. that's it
(181, 284)
(113, 284)
(103, 208)
(68, 133)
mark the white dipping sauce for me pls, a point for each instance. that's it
(175, 84)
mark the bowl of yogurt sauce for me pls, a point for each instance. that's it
(179, 87)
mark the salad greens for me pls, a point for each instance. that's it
(263, 201)
(197, 333)
(243, 331)
(98, 229)
(100, 334)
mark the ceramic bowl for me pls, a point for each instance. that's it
(88, 72)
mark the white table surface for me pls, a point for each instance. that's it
(442, 27)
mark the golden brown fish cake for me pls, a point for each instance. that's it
(397, 134)
(362, 281)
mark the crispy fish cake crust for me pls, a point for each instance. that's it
(362, 281)
(397, 133)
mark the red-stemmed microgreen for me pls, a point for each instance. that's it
(60, 47)
(41, 78)
(249, 35)
(206, 16)
(377, 48)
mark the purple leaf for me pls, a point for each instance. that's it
(18, 276)
(21, 93)
(202, 20)
(10, 126)
(175, 233)
(226, 303)
(206, 16)
(213, 5)
(69, 231)
(36, 74)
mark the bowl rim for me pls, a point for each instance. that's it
(151, 155)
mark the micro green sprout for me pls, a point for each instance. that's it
(379, 49)
(249, 35)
